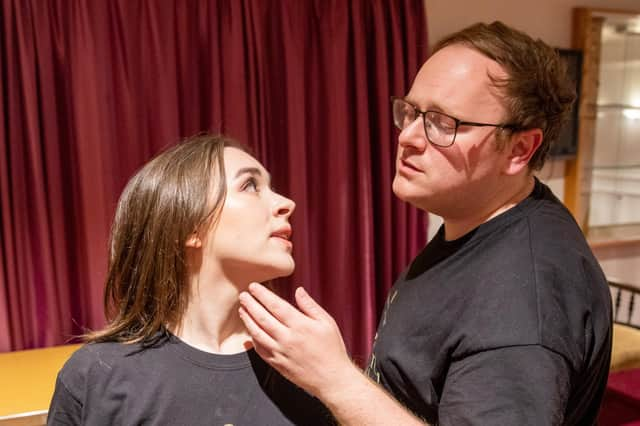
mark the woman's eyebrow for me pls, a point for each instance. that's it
(253, 171)
(250, 170)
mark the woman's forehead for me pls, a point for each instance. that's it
(237, 160)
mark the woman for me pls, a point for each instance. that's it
(192, 229)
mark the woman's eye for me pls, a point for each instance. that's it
(251, 185)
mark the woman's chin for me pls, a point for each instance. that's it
(285, 270)
(277, 270)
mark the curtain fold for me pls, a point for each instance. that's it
(91, 90)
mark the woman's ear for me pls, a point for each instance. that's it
(524, 144)
(193, 241)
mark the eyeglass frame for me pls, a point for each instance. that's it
(508, 126)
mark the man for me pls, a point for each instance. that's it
(505, 317)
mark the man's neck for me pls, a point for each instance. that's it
(455, 228)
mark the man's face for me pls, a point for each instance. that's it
(455, 181)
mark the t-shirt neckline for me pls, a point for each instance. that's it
(206, 359)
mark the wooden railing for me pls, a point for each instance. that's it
(626, 304)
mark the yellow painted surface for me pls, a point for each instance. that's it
(27, 378)
(625, 354)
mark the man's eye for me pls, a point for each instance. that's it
(441, 122)
(410, 115)
(445, 126)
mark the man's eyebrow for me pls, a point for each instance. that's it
(252, 171)
(432, 106)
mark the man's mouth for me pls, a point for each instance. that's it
(410, 166)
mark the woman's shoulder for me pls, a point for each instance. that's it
(101, 352)
(94, 360)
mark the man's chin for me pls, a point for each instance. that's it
(406, 192)
(403, 189)
(397, 186)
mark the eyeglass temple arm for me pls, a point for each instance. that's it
(473, 123)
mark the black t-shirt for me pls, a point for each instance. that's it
(172, 383)
(508, 325)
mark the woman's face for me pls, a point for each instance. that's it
(252, 239)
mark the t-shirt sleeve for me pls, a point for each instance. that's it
(65, 409)
(518, 385)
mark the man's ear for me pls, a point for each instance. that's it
(525, 143)
(193, 241)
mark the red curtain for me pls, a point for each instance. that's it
(92, 89)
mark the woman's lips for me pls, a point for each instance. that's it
(282, 239)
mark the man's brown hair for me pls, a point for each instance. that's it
(537, 90)
(165, 203)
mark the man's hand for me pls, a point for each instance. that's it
(304, 345)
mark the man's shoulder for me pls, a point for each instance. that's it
(562, 260)
(545, 232)
(558, 246)
(547, 217)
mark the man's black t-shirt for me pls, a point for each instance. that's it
(508, 325)
(172, 383)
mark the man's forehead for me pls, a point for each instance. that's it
(454, 73)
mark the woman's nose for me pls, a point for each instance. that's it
(284, 206)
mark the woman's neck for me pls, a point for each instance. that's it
(211, 322)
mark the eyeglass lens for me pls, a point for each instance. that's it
(439, 128)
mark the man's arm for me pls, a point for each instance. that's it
(306, 347)
(513, 385)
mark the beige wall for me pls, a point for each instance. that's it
(549, 20)
(620, 263)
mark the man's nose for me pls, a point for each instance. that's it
(413, 136)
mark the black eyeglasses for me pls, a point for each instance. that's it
(440, 128)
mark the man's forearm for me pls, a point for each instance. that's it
(357, 401)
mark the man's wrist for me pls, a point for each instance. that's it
(349, 381)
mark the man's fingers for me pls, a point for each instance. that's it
(277, 307)
(309, 306)
(262, 318)
(262, 342)
(258, 335)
